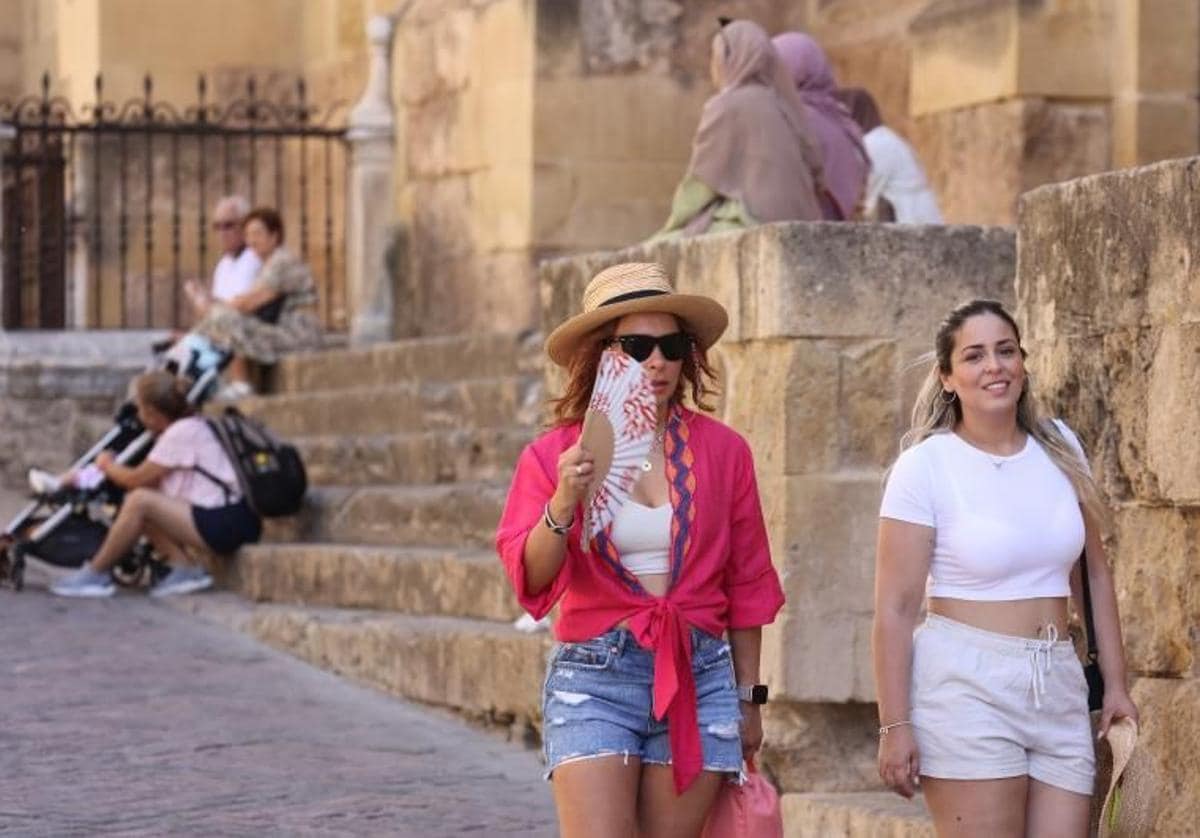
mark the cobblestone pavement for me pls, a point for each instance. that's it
(127, 717)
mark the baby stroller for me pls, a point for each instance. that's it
(64, 527)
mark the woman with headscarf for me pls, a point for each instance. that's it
(754, 159)
(842, 151)
(897, 179)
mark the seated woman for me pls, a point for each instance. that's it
(277, 315)
(842, 151)
(184, 495)
(754, 159)
(896, 188)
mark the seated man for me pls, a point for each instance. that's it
(238, 265)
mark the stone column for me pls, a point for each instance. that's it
(7, 134)
(368, 205)
(1009, 95)
(1156, 78)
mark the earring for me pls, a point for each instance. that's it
(953, 396)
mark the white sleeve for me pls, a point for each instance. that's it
(908, 495)
(1073, 441)
(245, 271)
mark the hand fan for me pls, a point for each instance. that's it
(618, 430)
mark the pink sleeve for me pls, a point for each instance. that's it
(175, 448)
(751, 583)
(531, 489)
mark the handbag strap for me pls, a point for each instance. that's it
(1089, 625)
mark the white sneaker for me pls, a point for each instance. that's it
(43, 482)
(235, 390)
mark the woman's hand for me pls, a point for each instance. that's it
(751, 729)
(104, 461)
(575, 467)
(898, 763)
(1117, 704)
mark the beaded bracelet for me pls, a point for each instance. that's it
(883, 731)
(554, 526)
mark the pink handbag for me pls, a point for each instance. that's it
(750, 810)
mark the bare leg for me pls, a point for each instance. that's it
(173, 518)
(969, 808)
(597, 797)
(664, 814)
(167, 547)
(1056, 813)
(238, 369)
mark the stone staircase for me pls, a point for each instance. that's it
(388, 576)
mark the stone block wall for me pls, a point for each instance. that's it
(58, 393)
(1109, 294)
(817, 372)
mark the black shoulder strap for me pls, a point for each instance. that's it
(224, 486)
(231, 451)
(1089, 625)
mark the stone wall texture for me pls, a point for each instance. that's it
(1109, 293)
(817, 371)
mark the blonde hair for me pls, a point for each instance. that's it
(934, 414)
(163, 392)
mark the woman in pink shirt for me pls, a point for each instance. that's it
(646, 707)
(185, 494)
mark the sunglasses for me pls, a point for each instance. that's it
(640, 347)
(224, 225)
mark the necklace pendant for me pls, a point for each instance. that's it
(646, 465)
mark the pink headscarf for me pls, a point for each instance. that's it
(754, 143)
(846, 161)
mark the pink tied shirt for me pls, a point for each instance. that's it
(722, 576)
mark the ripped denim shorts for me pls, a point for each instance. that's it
(598, 701)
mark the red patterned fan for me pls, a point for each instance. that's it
(618, 431)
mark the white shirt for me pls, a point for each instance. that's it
(642, 536)
(235, 274)
(1005, 527)
(897, 175)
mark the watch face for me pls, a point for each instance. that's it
(758, 694)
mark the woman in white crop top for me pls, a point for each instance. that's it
(986, 512)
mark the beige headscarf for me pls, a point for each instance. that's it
(753, 143)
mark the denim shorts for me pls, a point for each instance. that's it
(598, 701)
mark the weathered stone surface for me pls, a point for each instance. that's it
(966, 52)
(1010, 146)
(406, 406)
(822, 531)
(1092, 259)
(1170, 731)
(484, 669)
(459, 514)
(429, 457)
(412, 581)
(473, 355)
(819, 747)
(863, 815)
(1157, 569)
(815, 279)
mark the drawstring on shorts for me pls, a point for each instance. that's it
(1040, 652)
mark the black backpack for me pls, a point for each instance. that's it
(269, 471)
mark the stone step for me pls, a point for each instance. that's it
(461, 515)
(430, 359)
(855, 815)
(408, 406)
(414, 581)
(487, 670)
(443, 456)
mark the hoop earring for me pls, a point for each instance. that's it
(953, 396)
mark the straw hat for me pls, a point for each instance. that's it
(1129, 783)
(634, 287)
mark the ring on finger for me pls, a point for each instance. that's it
(579, 468)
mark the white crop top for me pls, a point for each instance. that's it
(1005, 527)
(642, 536)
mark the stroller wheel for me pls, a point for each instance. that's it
(133, 571)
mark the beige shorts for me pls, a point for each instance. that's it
(987, 706)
